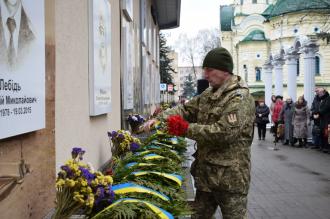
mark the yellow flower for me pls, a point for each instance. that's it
(70, 182)
(60, 183)
(89, 190)
(108, 179)
(83, 182)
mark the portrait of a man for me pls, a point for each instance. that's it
(16, 33)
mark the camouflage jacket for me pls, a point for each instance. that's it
(221, 122)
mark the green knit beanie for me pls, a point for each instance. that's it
(219, 58)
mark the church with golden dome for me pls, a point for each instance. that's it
(279, 47)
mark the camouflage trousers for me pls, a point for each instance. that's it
(233, 206)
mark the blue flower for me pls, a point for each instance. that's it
(87, 175)
(68, 171)
(76, 151)
(134, 146)
(121, 136)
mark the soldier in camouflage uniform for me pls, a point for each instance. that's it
(221, 121)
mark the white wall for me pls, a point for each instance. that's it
(73, 125)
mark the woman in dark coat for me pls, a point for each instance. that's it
(262, 112)
(286, 117)
(300, 120)
(324, 118)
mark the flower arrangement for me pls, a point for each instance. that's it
(123, 142)
(80, 188)
(135, 121)
(176, 125)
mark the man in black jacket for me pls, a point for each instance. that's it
(315, 117)
(324, 111)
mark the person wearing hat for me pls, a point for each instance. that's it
(221, 121)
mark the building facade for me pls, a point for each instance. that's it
(276, 47)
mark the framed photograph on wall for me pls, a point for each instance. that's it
(157, 88)
(22, 68)
(128, 60)
(127, 6)
(157, 49)
(145, 79)
(99, 57)
(152, 84)
(143, 20)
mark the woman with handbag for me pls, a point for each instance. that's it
(262, 112)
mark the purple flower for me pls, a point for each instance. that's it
(77, 151)
(68, 171)
(109, 134)
(134, 146)
(100, 194)
(86, 174)
(121, 136)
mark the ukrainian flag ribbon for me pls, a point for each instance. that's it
(161, 213)
(131, 187)
(174, 177)
(152, 157)
(139, 164)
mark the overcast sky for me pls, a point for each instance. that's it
(196, 15)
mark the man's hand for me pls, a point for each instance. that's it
(148, 124)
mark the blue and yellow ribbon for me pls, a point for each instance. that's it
(174, 177)
(143, 152)
(161, 213)
(139, 164)
(152, 146)
(174, 140)
(152, 157)
(131, 187)
(161, 144)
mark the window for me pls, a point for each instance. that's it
(317, 65)
(258, 74)
(254, 1)
(298, 66)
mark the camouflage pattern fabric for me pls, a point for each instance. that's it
(221, 122)
(233, 206)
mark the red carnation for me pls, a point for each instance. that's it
(176, 125)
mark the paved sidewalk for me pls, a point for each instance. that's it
(288, 183)
(291, 183)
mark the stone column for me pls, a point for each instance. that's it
(308, 51)
(278, 63)
(291, 61)
(267, 78)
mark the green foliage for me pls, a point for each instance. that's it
(189, 87)
(127, 211)
(166, 70)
